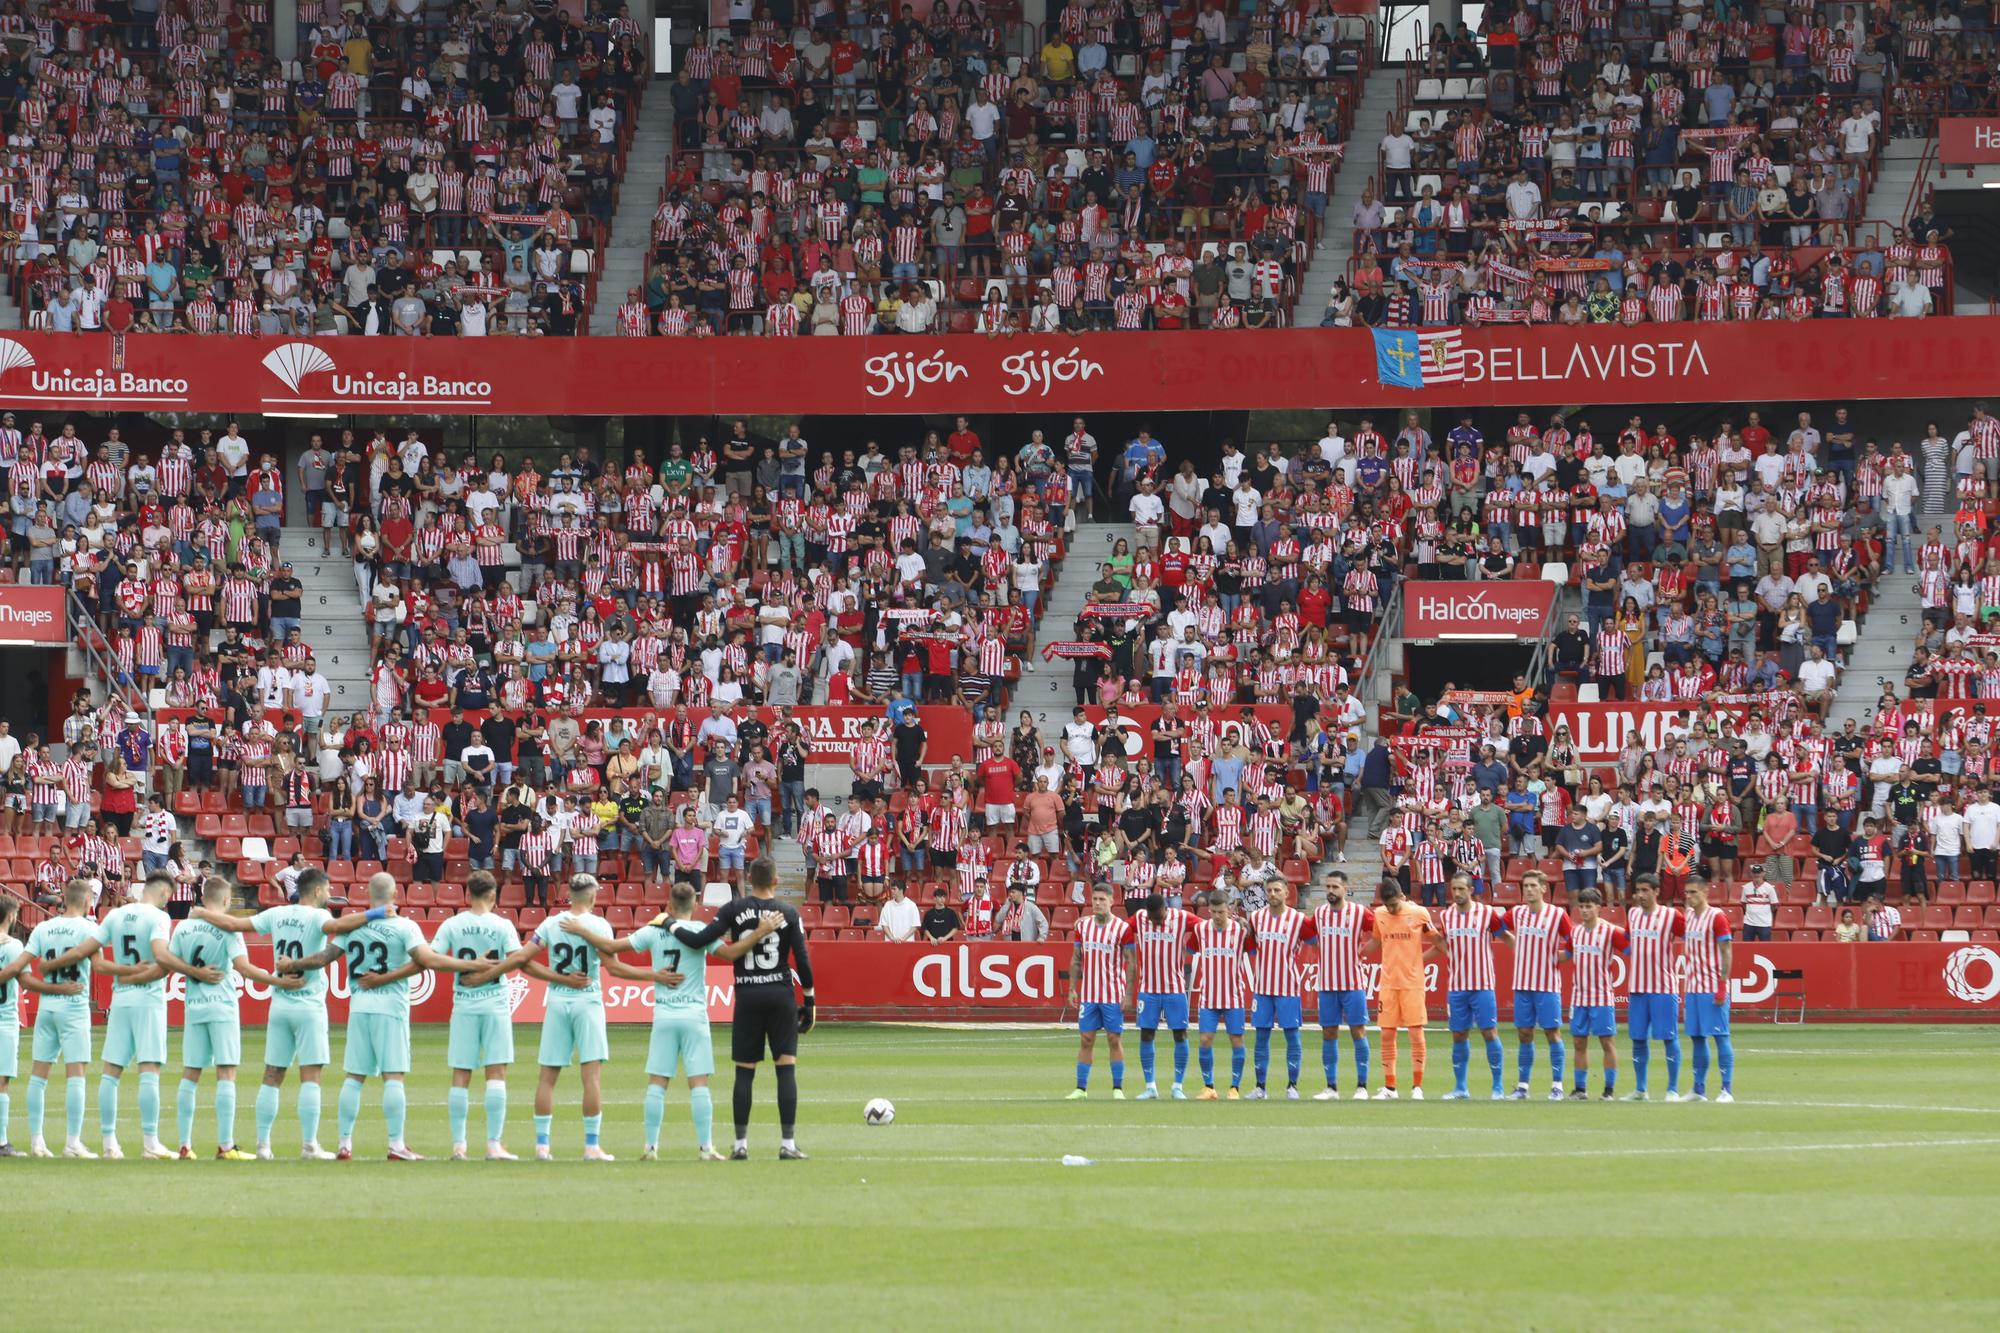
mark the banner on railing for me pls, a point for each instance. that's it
(1319, 369)
(1969, 140)
(1600, 730)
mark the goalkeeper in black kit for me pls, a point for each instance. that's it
(767, 1015)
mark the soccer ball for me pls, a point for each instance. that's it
(880, 1111)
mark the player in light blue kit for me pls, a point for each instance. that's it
(62, 946)
(212, 1028)
(133, 938)
(573, 1027)
(482, 1013)
(296, 1030)
(16, 974)
(681, 1037)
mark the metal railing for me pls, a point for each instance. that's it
(1377, 658)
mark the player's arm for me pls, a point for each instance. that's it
(735, 949)
(22, 969)
(801, 967)
(311, 962)
(229, 921)
(1075, 968)
(604, 944)
(165, 960)
(77, 955)
(618, 967)
(244, 967)
(1725, 951)
(375, 980)
(549, 976)
(492, 968)
(696, 938)
(437, 961)
(335, 927)
(1132, 973)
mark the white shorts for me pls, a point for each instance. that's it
(999, 814)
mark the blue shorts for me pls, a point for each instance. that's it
(1228, 1019)
(1338, 1007)
(1100, 1017)
(731, 858)
(1653, 1018)
(1275, 1011)
(1593, 1020)
(1707, 1016)
(1468, 1009)
(1168, 1011)
(1537, 1009)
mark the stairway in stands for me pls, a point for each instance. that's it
(331, 619)
(1357, 168)
(1046, 688)
(1883, 650)
(625, 260)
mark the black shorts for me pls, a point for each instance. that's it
(944, 860)
(764, 1019)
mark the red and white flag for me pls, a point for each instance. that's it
(1444, 356)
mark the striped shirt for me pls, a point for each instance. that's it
(1164, 949)
(1340, 931)
(1221, 971)
(1468, 936)
(1102, 945)
(1539, 933)
(1275, 970)
(1705, 930)
(1653, 934)
(1595, 983)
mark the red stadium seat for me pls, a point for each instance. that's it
(1789, 918)
(208, 827)
(236, 826)
(1936, 917)
(1980, 891)
(1820, 918)
(853, 935)
(1966, 917)
(809, 915)
(1951, 891)
(1923, 937)
(451, 895)
(1064, 916)
(834, 914)
(228, 849)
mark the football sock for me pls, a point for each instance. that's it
(267, 1112)
(1524, 1061)
(656, 1110)
(1263, 1065)
(1146, 1055)
(1417, 1049)
(186, 1099)
(1461, 1057)
(1117, 1073)
(1610, 1078)
(593, 1125)
(395, 1109)
(38, 1093)
(1725, 1058)
(1700, 1065)
(1642, 1059)
(1236, 1054)
(543, 1124)
(1329, 1058)
(1083, 1074)
(149, 1104)
(458, 1107)
(1673, 1045)
(6, 1114)
(1389, 1057)
(309, 1109)
(107, 1106)
(225, 1113)
(746, 1081)
(1208, 1066)
(1361, 1062)
(1180, 1056)
(1496, 1059)
(350, 1107)
(788, 1096)
(701, 1106)
(1556, 1062)
(1295, 1055)
(74, 1093)
(496, 1109)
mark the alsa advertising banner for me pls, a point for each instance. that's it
(1507, 609)
(1318, 369)
(33, 615)
(1136, 722)
(1600, 730)
(1969, 140)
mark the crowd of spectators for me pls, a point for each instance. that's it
(1604, 162)
(418, 169)
(1128, 165)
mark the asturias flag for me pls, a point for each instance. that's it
(1414, 359)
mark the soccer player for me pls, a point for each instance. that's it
(1541, 931)
(1276, 983)
(135, 1031)
(63, 945)
(1593, 992)
(1653, 1009)
(212, 1030)
(1406, 939)
(1165, 937)
(1222, 976)
(482, 1013)
(573, 1027)
(16, 962)
(1103, 964)
(1710, 946)
(383, 952)
(766, 1016)
(1469, 931)
(296, 1030)
(1340, 926)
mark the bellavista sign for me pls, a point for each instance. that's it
(1510, 609)
(1317, 369)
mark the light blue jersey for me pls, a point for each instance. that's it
(295, 933)
(570, 955)
(198, 944)
(380, 946)
(52, 939)
(127, 934)
(672, 954)
(478, 935)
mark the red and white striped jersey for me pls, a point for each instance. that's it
(1164, 948)
(1593, 947)
(1102, 946)
(1340, 931)
(1653, 937)
(1539, 934)
(1221, 969)
(1704, 931)
(1468, 938)
(1275, 970)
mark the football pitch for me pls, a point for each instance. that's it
(1852, 1185)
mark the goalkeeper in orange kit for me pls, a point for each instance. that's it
(1405, 939)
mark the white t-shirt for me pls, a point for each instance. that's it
(311, 693)
(1948, 831)
(1147, 510)
(1982, 825)
(734, 827)
(899, 919)
(1759, 901)
(1816, 676)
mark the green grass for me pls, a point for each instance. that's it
(1852, 1186)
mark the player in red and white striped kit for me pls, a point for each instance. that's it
(1710, 948)
(1165, 940)
(1222, 982)
(1340, 926)
(1275, 982)
(1100, 976)
(1472, 1000)
(1541, 932)
(1593, 993)
(1652, 1008)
